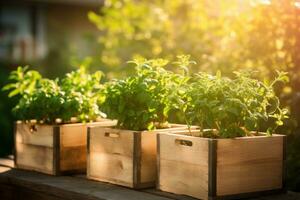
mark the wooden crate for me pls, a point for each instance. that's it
(221, 168)
(52, 149)
(123, 157)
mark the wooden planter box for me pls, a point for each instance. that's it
(221, 168)
(123, 157)
(52, 149)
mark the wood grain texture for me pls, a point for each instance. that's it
(36, 158)
(73, 147)
(40, 186)
(183, 169)
(149, 153)
(34, 147)
(78, 188)
(249, 164)
(240, 166)
(40, 148)
(148, 157)
(118, 156)
(40, 135)
(103, 123)
(111, 155)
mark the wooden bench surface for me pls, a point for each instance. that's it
(20, 184)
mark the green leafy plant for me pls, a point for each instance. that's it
(75, 96)
(86, 88)
(144, 100)
(24, 81)
(232, 107)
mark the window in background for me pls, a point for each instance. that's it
(22, 33)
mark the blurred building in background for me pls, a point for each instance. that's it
(43, 34)
(33, 30)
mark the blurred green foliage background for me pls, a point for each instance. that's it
(229, 35)
(263, 36)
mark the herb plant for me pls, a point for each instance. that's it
(24, 81)
(86, 89)
(76, 95)
(143, 101)
(232, 107)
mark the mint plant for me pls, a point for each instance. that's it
(232, 107)
(86, 88)
(24, 81)
(76, 95)
(144, 100)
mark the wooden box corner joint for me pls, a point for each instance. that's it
(123, 157)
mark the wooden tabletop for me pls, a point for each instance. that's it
(21, 184)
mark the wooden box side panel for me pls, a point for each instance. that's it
(183, 169)
(148, 158)
(73, 147)
(246, 165)
(149, 153)
(111, 155)
(34, 148)
(41, 135)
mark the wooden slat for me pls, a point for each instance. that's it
(41, 136)
(66, 188)
(104, 122)
(148, 157)
(73, 158)
(111, 155)
(72, 135)
(78, 188)
(249, 164)
(112, 141)
(34, 148)
(37, 158)
(183, 169)
(73, 147)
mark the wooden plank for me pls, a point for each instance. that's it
(73, 147)
(103, 123)
(148, 157)
(70, 188)
(73, 135)
(137, 154)
(56, 151)
(78, 188)
(73, 158)
(34, 147)
(111, 155)
(249, 164)
(37, 158)
(40, 135)
(112, 141)
(183, 165)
